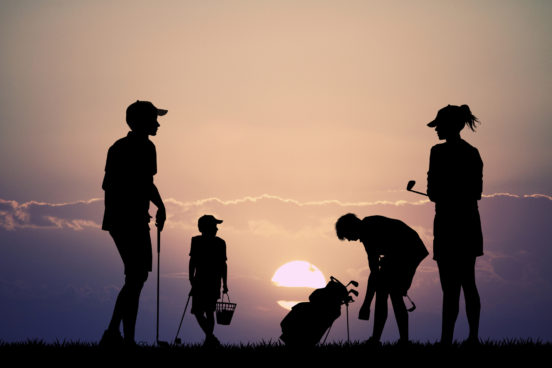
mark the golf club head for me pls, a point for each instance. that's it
(354, 292)
(410, 185)
(353, 282)
(162, 344)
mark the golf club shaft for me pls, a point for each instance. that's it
(158, 264)
(182, 319)
(415, 191)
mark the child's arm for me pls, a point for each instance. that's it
(224, 271)
(225, 278)
(191, 271)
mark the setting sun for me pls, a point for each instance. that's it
(299, 274)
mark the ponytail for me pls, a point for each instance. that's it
(468, 118)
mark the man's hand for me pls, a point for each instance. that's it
(364, 312)
(225, 289)
(160, 218)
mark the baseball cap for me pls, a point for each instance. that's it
(206, 220)
(447, 113)
(136, 111)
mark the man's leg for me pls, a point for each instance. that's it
(117, 317)
(133, 285)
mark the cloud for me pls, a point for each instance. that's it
(87, 213)
(42, 215)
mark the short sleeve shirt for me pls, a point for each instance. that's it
(129, 170)
(209, 256)
(392, 238)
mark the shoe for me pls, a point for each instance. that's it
(211, 342)
(111, 339)
(372, 343)
(403, 343)
(471, 342)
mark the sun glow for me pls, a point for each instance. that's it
(299, 274)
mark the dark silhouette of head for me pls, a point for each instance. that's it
(141, 117)
(451, 119)
(347, 227)
(207, 225)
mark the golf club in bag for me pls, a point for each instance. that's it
(159, 342)
(307, 322)
(410, 185)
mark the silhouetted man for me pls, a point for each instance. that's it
(394, 252)
(207, 269)
(129, 189)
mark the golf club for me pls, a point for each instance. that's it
(159, 342)
(410, 185)
(353, 282)
(177, 340)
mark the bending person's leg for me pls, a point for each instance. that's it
(380, 313)
(401, 314)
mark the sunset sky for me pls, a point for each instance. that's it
(283, 115)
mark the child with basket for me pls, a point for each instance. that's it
(207, 270)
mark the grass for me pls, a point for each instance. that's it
(526, 352)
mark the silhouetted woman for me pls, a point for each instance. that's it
(455, 183)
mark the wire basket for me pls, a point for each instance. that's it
(225, 311)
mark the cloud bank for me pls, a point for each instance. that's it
(56, 260)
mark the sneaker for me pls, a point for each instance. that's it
(471, 342)
(372, 343)
(111, 339)
(211, 342)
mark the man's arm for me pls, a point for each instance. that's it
(161, 215)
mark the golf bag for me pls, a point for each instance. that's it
(307, 322)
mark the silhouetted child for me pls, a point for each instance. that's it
(207, 269)
(394, 252)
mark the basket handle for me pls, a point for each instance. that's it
(227, 296)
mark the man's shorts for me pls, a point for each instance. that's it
(134, 246)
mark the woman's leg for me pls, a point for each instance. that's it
(450, 284)
(471, 295)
